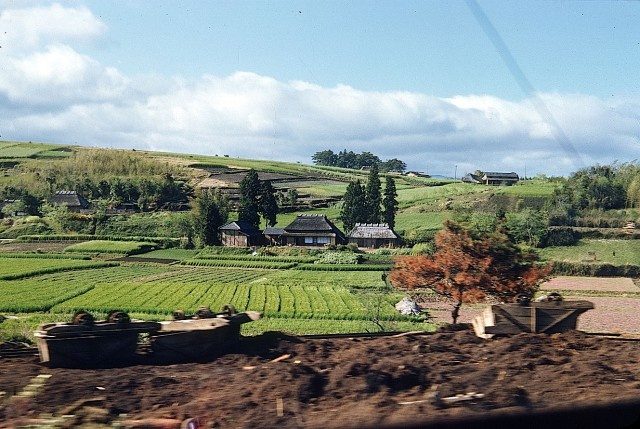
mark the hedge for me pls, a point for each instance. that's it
(565, 268)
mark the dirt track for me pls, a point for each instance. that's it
(290, 382)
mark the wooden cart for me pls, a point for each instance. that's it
(548, 317)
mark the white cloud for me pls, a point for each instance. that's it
(49, 91)
(33, 27)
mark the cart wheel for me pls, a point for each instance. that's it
(203, 312)
(555, 296)
(118, 316)
(229, 310)
(82, 318)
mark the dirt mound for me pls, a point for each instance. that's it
(288, 382)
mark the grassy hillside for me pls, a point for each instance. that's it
(423, 202)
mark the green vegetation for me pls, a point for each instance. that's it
(615, 252)
(105, 246)
(590, 208)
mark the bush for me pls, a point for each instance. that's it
(559, 236)
(342, 258)
(564, 268)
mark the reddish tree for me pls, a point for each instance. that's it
(467, 269)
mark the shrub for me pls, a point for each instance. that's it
(342, 258)
(560, 236)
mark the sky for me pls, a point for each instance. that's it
(448, 87)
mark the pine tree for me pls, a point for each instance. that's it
(353, 207)
(268, 203)
(249, 205)
(373, 198)
(389, 202)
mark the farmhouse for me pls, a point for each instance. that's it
(493, 178)
(240, 234)
(71, 199)
(312, 230)
(373, 235)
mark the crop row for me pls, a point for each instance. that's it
(296, 259)
(22, 255)
(285, 301)
(342, 267)
(163, 241)
(34, 295)
(13, 269)
(267, 265)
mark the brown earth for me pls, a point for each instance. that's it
(527, 380)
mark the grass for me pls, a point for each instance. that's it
(625, 251)
(106, 246)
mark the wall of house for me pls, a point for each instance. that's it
(234, 239)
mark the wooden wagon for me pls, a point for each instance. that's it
(548, 317)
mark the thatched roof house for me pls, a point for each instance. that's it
(312, 230)
(70, 199)
(373, 235)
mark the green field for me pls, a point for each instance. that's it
(615, 252)
(293, 301)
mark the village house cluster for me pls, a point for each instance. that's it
(306, 230)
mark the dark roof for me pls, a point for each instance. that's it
(69, 199)
(372, 230)
(496, 175)
(273, 231)
(471, 178)
(312, 223)
(241, 226)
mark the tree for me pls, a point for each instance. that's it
(366, 159)
(325, 157)
(346, 159)
(393, 165)
(527, 226)
(249, 205)
(353, 206)
(268, 203)
(373, 198)
(211, 212)
(389, 202)
(467, 268)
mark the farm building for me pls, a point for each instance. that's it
(273, 236)
(472, 178)
(373, 235)
(71, 199)
(493, 178)
(240, 234)
(312, 230)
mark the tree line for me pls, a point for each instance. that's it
(366, 203)
(357, 161)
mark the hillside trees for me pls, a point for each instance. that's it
(467, 268)
(373, 198)
(249, 206)
(211, 212)
(350, 159)
(257, 198)
(389, 202)
(365, 204)
(353, 206)
(268, 203)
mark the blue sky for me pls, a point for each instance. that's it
(534, 87)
